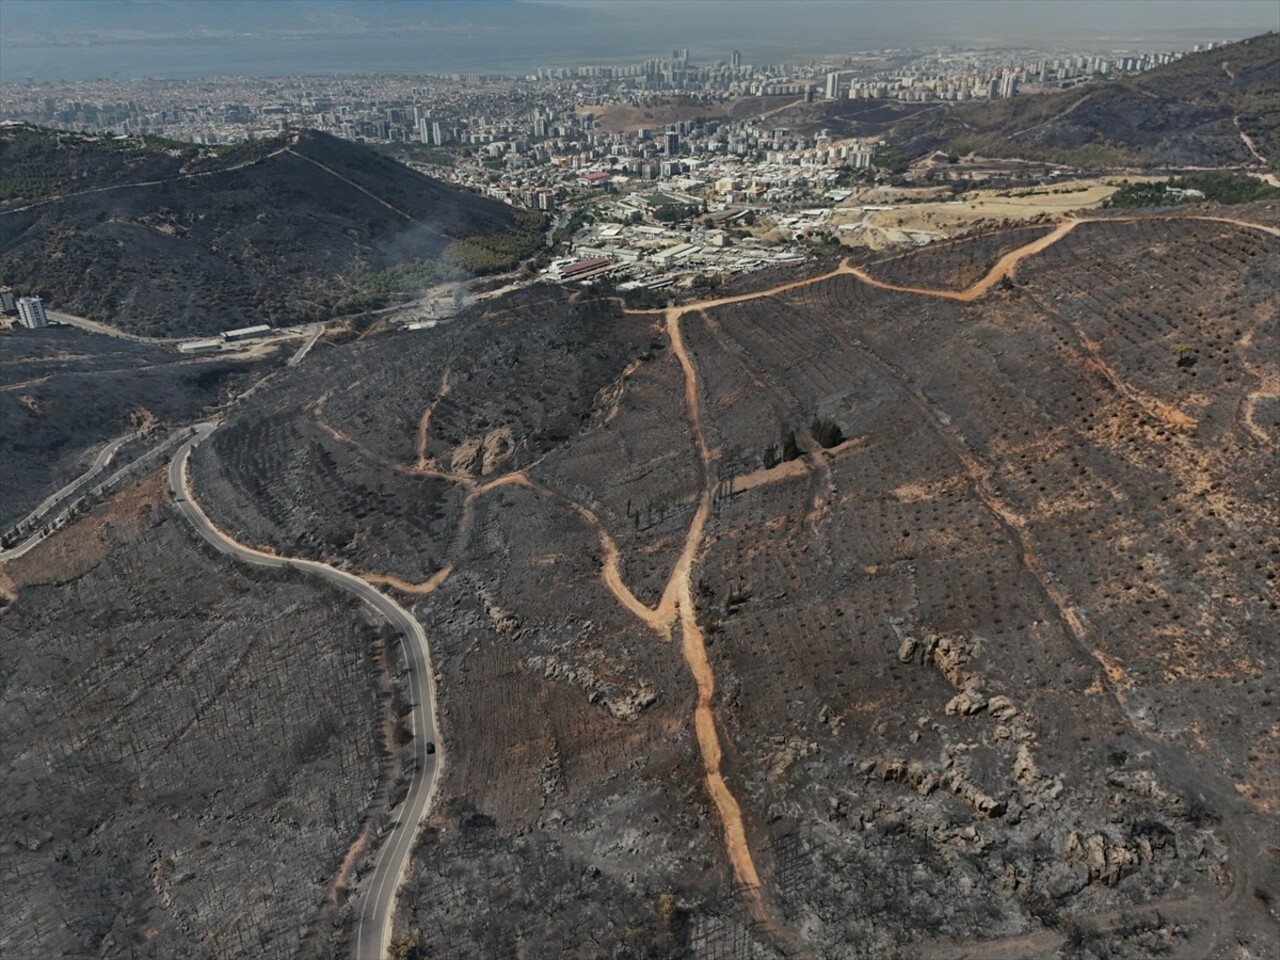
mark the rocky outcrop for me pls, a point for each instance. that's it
(925, 780)
(623, 703)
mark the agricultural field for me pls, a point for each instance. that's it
(827, 617)
(190, 748)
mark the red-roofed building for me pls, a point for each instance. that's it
(584, 268)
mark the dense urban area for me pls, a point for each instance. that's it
(650, 174)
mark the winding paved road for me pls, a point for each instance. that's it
(376, 907)
(100, 462)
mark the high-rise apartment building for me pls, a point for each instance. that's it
(31, 313)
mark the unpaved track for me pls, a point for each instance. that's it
(1003, 267)
(676, 606)
(678, 596)
(351, 183)
(424, 423)
(677, 603)
(44, 201)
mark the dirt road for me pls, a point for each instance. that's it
(676, 606)
(141, 183)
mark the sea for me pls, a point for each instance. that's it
(471, 50)
(409, 55)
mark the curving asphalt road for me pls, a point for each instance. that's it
(100, 462)
(375, 908)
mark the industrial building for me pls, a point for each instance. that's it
(584, 269)
(200, 346)
(246, 333)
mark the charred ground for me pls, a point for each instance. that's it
(986, 579)
(170, 239)
(65, 392)
(1187, 113)
(190, 748)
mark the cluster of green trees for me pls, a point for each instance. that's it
(673, 212)
(231, 154)
(1086, 156)
(1226, 188)
(469, 256)
(35, 162)
(370, 289)
(478, 255)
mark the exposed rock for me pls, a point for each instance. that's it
(1024, 767)
(1001, 708)
(1106, 860)
(966, 703)
(968, 791)
(926, 780)
(628, 706)
(623, 702)
(909, 650)
(948, 656)
(791, 750)
(503, 621)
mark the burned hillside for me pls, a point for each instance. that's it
(832, 617)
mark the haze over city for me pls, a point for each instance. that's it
(82, 39)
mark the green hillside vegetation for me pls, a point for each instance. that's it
(173, 239)
(1226, 188)
(1180, 114)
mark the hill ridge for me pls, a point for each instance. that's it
(165, 238)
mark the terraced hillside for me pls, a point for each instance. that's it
(924, 607)
(169, 239)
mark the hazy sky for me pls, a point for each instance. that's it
(47, 39)
(996, 20)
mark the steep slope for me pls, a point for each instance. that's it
(189, 748)
(168, 239)
(891, 609)
(64, 393)
(1182, 114)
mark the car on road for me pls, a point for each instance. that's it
(431, 746)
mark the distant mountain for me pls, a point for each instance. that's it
(166, 238)
(1182, 114)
